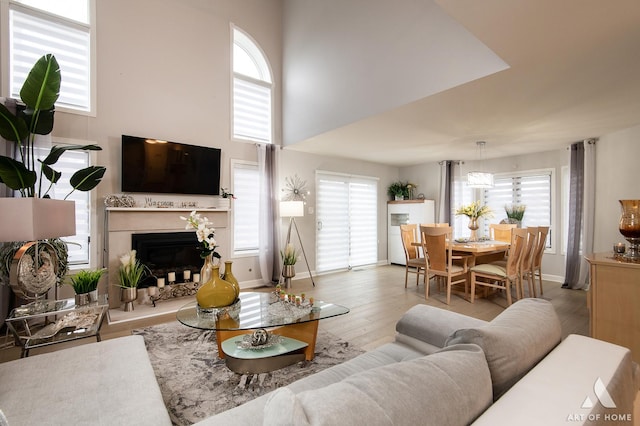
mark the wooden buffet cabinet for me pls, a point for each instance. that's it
(614, 301)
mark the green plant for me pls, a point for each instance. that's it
(397, 189)
(86, 281)
(289, 255)
(39, 94)
(515, 212)
(131, 270)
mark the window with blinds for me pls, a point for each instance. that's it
(246, 185)
(68, 164)
(252, 91)
(61, 28)
(347, 228)
(530, 189)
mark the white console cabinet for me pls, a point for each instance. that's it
(401, 213)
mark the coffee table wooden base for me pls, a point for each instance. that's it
(306, 332)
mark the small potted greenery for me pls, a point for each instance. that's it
(397, 190)
(85, 284)
(289, 259)
(131, 272)
(515, 213)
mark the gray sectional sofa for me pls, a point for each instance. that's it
(442, 369)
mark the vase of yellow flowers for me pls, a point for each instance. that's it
(474, 211)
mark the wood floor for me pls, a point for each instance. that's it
(377, 299)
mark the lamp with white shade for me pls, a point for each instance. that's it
(293, 209)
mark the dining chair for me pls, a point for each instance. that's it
(536, 264)
(439, 259)
(414, 263)
(495, 275)
(501, 231)
(527, 261)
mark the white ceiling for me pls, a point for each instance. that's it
(574, 73)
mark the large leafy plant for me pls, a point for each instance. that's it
(39, 94)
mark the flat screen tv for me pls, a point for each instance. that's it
(156, 166)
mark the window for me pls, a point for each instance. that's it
(68, 164)
(246, 186)
(63, 28)
(252, 91)
(347, 215)
(532, 189)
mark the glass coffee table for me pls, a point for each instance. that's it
(297, 331)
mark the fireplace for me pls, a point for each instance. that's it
(166, 252)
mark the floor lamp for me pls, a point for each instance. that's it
(293, 209)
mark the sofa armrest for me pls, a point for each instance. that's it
(433, 325)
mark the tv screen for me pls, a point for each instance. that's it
(156, 166)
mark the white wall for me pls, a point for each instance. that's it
(617, 178)
(163, 69)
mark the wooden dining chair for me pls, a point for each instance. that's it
(536, 264)
(501, 231)
(439, 259)
(527, 262)
(414, 263)
(495, 275)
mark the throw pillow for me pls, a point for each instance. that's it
(451, 387)
(515, 341)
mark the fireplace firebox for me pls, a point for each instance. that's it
(165, 252)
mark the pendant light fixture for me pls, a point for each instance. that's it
(480, 179)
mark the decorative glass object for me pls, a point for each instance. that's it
(630, 227)
(215, 292)
(473, 226)
(228, 276)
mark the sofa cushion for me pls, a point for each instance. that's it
(515, 341)
(106, 383)
(450, 387)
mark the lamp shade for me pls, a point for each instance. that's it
(291, 208)
(32, 219)
(479, 180)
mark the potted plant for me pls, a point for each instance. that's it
(397, 190)
(515, 213)
(131, 272)
(34, 179)
(85, 284)
(289, 259)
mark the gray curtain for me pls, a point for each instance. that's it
(576, 205)
(269, 251)
(446, 192)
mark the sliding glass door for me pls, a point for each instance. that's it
(347, 221)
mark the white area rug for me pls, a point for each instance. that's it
(196, 384)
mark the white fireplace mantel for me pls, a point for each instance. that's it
(122, 222)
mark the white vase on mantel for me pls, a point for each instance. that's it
(223, 203)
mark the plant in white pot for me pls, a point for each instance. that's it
(36, 216)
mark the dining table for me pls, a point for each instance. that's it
(483, 251)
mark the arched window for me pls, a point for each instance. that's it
(252, 91)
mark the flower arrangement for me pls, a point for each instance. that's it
(515, 212)
(226, 194)
(474, 210)
(131, 270)
(401, 189)
(205, 233)
(289, 255)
